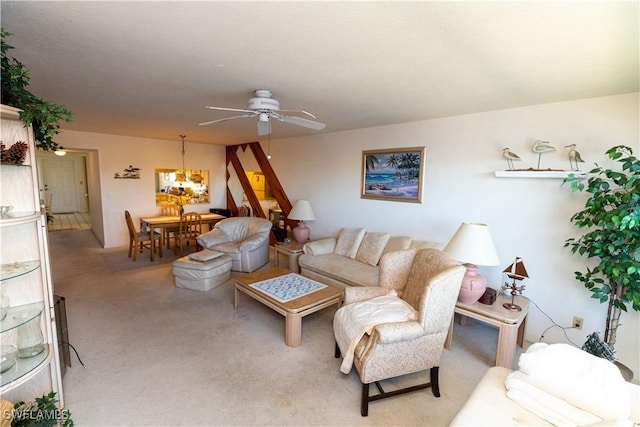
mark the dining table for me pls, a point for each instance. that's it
(160, 221)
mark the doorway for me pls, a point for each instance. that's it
(63, 183)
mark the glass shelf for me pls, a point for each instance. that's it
(17, 269)
(20, 314)
(25, 366)
(15, 218)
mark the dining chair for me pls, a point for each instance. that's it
(140, 239)
(189, 230)
(170, 209)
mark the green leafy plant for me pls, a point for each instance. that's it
(612, 218)
(42, 413)
(42, 115)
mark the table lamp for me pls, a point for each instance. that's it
(302, 212)
(473, 246)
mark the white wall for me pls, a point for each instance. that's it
(115, 153)
(527, 217)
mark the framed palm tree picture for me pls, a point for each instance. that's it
(394, 174)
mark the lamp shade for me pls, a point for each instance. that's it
(302, 211)
(472, 244)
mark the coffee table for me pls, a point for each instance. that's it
(293, 310)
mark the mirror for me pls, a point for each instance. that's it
(192, 185)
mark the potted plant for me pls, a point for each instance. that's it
(611, 219)
(42, 412)
(42, 115)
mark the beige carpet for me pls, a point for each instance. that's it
(157, 355)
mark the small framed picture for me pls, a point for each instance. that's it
(394, 174)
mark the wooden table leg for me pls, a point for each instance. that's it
(236, 296)
(507, 337)
(152, 246)
(276, 257)
(447, 341)
(293, 330)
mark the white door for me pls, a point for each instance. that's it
(59, 182)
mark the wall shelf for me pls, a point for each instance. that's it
(538, 174)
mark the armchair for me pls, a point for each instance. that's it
(393, 348)
(245, 239)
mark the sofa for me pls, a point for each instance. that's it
(357, 257)
(245, 239)
(556, 384)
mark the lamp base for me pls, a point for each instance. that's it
(301, 232)
(473, 285)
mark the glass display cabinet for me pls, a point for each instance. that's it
(30, 361)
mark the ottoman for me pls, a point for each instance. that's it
(202, 271)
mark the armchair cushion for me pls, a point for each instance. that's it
(205, 255)
(349, 241)
(352, 321)
(371, 247)
(213, 238)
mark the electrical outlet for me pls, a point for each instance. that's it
(577, 322)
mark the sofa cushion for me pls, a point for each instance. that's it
(371, 247)
(398, 243)
(423, 244)
(341, 268)
(349, 241)
(205, 255)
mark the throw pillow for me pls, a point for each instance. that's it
(371, 248)
(349, 241)
(398, 243)
(205, 255)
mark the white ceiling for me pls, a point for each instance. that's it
(148, 68)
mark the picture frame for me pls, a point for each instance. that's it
(394, 174)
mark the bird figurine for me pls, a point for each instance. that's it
(510, 157)
(574, 156)
(542, 147)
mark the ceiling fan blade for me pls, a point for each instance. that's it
(241, 110)
(299, 121)
(297, 111)
(243, 116)
(264, 127)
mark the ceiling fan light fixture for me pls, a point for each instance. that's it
(264, 108)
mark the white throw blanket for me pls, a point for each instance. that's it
(354, 320)
(548, 407)
(577, 377)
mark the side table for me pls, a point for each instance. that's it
(293, 250)
(511, 325)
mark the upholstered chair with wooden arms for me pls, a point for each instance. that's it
(386, 344)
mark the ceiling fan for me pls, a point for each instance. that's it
(265, 108)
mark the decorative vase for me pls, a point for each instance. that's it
(30, 341)
(473, 285)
